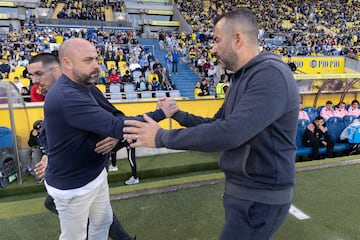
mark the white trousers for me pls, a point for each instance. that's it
(75, 213)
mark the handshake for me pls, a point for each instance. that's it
(143, 134)
(168, 105)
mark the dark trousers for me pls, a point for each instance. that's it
(316, 144)
(116, 232)
(248, 220)
(131, 159)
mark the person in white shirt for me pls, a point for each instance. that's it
(23, 61)
(18, 84)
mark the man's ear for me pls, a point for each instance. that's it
(66, 63)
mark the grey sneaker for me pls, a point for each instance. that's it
(132, 181)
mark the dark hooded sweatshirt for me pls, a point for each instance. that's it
(254, 129)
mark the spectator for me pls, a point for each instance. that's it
(151, 59)
(114, 77)
(162, 73)
(197, 90)
(152, 75)
(155, 84)
(315, 136)
(142, 85)
(354, 108)
(5, 67)
(327, 111)
(25, 94)
(157, 65)
(36, 94)
(167, 85)
(103, 70)
(18, 84)
(291, 64)
(127, 78)
(134, 65)
(204, 87)
(212, 74)
(23, 61)
(168, 61)
(144, 63)
(302, 114)
(340, 110)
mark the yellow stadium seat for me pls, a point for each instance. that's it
(14, 74)
(122, 65)
(19, 70)
(111, 64)
(101, 87)
(25, 82)
(59, 39)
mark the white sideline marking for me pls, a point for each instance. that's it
(298, 213)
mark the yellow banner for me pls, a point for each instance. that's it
(3, 16)
(166, 23)
(7, 4)
(326, 76)
(319, 64)
(160, 12)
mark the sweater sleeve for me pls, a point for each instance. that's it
(249, 115)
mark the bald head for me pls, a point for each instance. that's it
(78, 58)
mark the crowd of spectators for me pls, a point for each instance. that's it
(308, 28)
(316, 28)
(84, 10)
(120, 55)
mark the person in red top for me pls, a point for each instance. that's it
(114, 77)
(36, 94)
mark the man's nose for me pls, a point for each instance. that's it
(35, 80)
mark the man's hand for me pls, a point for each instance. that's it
(40, 167)
(106, 145)
(141, 134)
(168, 105)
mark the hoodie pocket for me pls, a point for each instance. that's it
(245, 161)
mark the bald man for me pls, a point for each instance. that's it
(44, 70)
(75, 121)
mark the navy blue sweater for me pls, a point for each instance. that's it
(76, 118)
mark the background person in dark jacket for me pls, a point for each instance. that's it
(257, 146)
(315, 136)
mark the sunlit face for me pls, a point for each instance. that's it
(41, 75)
(223, 48)
(85, 68)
